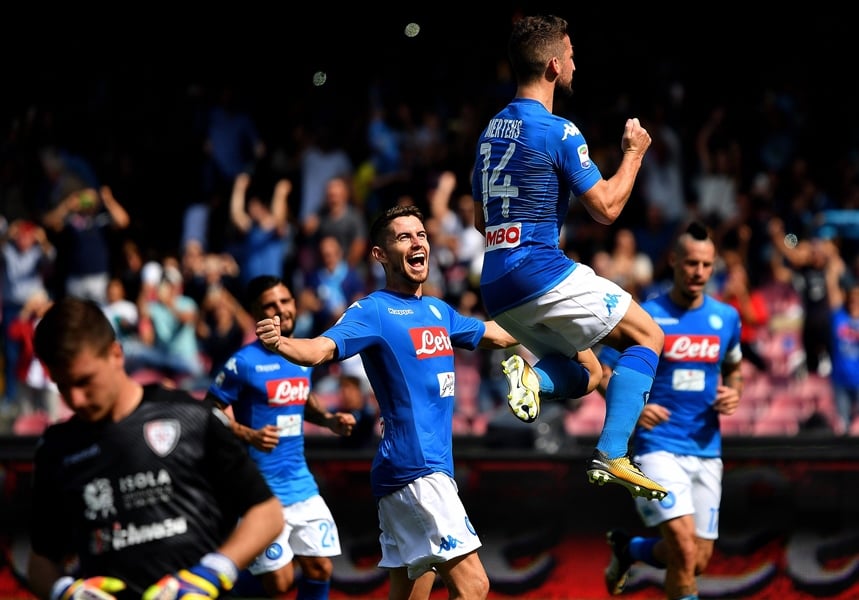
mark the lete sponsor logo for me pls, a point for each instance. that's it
(698, 348)
(431, 342)
(293, 390)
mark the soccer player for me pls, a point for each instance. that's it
(406, 340)
(530, 165)
(144, 491)
(270, 398)
(677, 439)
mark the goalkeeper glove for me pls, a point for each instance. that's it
(205, 580)
(94, 588)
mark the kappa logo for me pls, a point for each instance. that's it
(356, 304)
(162, 435)
(449, 543)
(231, 365)
(610, 302)
(570, 130)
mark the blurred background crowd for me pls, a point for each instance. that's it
(158, 173)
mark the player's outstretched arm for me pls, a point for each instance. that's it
(496, 337)
(301, 351)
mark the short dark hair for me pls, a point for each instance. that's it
(67, 327)
(377, 229)
(258, 285)
(695, 231)
(698, 231)
(533, 41)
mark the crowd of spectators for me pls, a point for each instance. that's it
(163, 225)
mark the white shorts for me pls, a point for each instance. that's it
(309, 531)
(424, 524)
(695, 488)
(573, 316)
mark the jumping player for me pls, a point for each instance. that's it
(529, 166)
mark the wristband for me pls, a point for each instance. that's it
(226, 569)
(60, 586)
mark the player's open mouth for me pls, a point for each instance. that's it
(417, 260)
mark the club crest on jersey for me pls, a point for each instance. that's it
(162, 435)
(430, 342)
(274, 551)
(283, 392)
(695, 348)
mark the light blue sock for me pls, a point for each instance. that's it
(312, 589)
(626, 394)
(641, 549)
(561, 377)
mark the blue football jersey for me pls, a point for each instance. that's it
(406, 346)
(530, 165)
(697, 342)
(266, 389)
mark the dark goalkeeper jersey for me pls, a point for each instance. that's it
(143, 497)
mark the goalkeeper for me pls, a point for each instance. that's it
(144, 492)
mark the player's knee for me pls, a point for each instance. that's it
(278, 582)
(470, 583)
(655, 338)
(479, 589)
(319, 568)
(702, 560)
(688, 556)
